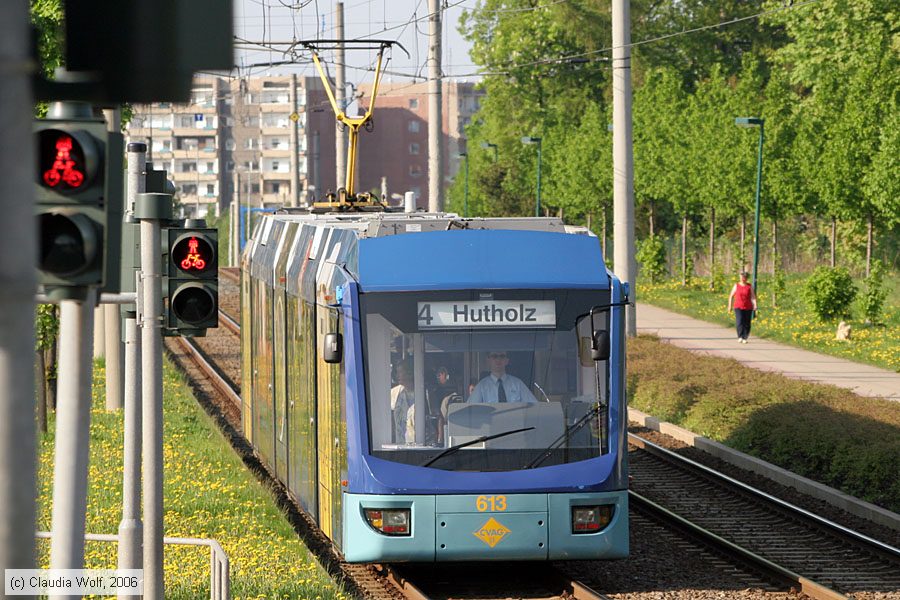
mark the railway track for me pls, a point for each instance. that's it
(790, 548)
(823, 559)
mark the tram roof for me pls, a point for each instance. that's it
(463, 253)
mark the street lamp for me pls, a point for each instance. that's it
(536, 140)
(487, 145)
(753, 122)
(465, 156)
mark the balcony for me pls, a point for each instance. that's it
(195, 131)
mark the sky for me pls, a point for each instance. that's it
(405, 21)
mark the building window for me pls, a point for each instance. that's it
(229, 144)
(189, 189)
(251, 144)
(210, 189)
(414, 148)
(229, 166)
(188, 167)
(209, 167)
(275, 165)
(413, 103)
(414, 126)
(415, 170)
(254, 188)
(276, 188)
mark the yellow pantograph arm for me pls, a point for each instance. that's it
(337, 112)
(375, 85)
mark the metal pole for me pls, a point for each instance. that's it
(73, 424)
(340, 86)
(623, 160)
(151, 209)
(537, 201)
(466, 188)
(759, 158)
(111, 314)
(435, 107)
(130, 527)
(18, 247)
(295, 144)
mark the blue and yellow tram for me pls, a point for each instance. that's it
(431, 388)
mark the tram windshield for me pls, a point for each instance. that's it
(484, 381)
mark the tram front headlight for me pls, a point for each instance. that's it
(393, 521)
(591, 519)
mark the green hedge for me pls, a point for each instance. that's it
(822, 432)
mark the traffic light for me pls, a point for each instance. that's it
(78, 205)
(193, 279)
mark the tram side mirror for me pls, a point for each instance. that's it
(333, 352)
(600, 347)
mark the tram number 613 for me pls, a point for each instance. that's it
(492, 503)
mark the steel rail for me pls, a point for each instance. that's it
(806, 585)
(876, 545)
(204, 364)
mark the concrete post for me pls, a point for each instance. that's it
(340, 87)
(113, 344)
(99, 339)
(18, 248)
(625, 264)
(73, 423)
(435, 111)
(295, 144)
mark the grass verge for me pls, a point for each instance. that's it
(822, 432)
(790, 322)
(208, 494)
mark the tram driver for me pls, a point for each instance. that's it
(500, 386)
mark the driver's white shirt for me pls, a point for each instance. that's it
(487, 390)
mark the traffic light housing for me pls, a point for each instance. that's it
(78, 206)
(192, 303)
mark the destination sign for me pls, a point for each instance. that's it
(487, 313)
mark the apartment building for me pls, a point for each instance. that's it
(397, 148)
(232, 142)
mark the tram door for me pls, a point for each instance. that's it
(331, 427)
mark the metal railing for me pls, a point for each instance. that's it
(219, 567)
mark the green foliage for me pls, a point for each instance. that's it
(46, 326)
(688, 275)
(718, 279)
(829, 293)
(875, 293)
(822, 432)
(651, 254)
(779, 283)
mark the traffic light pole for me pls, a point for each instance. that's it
(150, 209)
(18, 250)
(131, 528)
(73, 423)
(111, 313)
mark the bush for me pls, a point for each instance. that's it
(829, 293)
(875, 294)
(652, 256)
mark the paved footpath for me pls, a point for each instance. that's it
(708, 338)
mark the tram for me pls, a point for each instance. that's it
(434, 388)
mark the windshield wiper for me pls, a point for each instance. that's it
(478, 440)
(564, 436)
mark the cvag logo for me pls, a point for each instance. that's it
(491, 532)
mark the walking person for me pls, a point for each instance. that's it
(743, 298)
